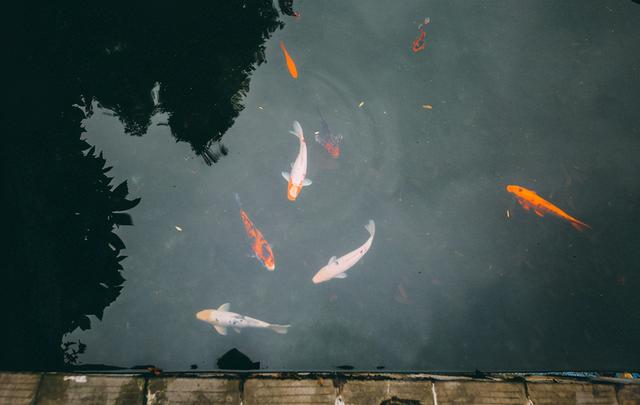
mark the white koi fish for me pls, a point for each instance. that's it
(221, 319)
(336, 268)
(296, 178)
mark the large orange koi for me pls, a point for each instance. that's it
(529, 199)
(259, 245)
(290, 64)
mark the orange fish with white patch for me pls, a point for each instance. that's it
(259, 245)
(529, 199)
(293, 71)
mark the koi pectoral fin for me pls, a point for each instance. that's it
(341, 275)
(306, 182)
(220, 329)
(286, 176)
(539, 213)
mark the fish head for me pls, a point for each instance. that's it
(324, 274)
(269, 263)
(205, 315)
(517, 190)
(293, 191)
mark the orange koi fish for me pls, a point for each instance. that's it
(290, 64)
(419, 43)
(530, 199)
(328, 139)
(259, 245)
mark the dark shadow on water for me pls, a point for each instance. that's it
(234, 359)
(63, 257)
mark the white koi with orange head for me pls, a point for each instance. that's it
(337, 267)
(297, 178)
(221, 319)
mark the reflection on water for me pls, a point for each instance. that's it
(65, 261)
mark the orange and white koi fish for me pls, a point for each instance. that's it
(529, 199)
(297, 178)
(290, 63)
(259, 245)
(221, 319)
(419, 43)
(337, 267)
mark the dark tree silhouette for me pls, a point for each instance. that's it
(63, 260)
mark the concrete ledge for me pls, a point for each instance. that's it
(310, 388)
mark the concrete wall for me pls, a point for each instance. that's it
(309, 388)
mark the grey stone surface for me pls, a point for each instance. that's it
(476, 392)
(571, 393)
(193, 391)
(88, 389)
(18, 388)
(389, 392)
(270, 391)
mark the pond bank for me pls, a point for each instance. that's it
(311, 388)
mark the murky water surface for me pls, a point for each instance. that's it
(543, 95)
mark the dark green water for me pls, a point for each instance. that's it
(131, 129)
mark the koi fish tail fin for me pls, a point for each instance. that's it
(371, 227)
(297, 130)
(238, 200)
(281, 329)
(579, 225)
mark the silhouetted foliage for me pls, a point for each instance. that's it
(63, 260)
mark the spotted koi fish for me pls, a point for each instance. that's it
(259, 245)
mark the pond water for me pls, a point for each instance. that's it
(190, 107)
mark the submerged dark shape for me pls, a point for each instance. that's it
(345, 367)
(234, 359)
(286, 6)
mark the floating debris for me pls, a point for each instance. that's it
(260, 108)
(508, 214)
(178, 228)
(427, 106)
(361, 104)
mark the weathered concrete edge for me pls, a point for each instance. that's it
(338, 380)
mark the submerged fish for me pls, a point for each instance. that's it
(296, 179)
(290, 63)
(419, 43)
(328, 139)
(337, 267)
(529, 199)
(259, 245)
(221, 319)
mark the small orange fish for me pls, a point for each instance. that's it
(290, 63)
(259, 245)
(419, 43)
(530, 199)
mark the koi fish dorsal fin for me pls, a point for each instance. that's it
(332, 260)
(224, 307)
(220, 329)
